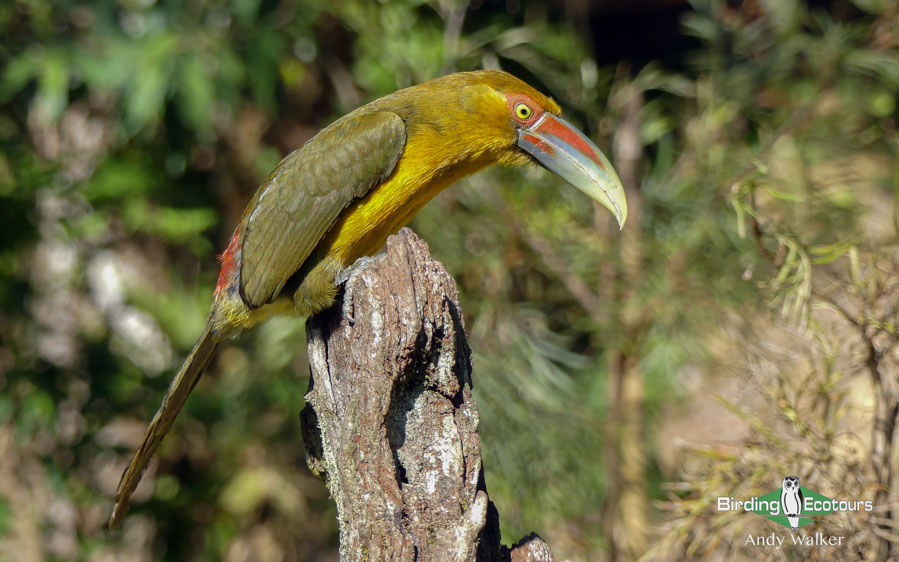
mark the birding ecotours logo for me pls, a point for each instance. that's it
(792, 505)
(791, 501)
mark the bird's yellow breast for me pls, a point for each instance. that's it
(429, 164)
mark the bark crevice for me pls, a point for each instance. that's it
(390, 423)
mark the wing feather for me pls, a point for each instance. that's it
(305, 194)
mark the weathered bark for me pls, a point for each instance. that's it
(882, 345)
(390, 423)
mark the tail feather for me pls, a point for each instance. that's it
(174, 399)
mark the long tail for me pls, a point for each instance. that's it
(172, 402)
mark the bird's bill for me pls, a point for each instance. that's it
(566, 152)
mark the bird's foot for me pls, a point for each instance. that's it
(342, 277)
(344, 274)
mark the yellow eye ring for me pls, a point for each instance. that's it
(522, 111)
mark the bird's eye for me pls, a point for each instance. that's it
(523, 112)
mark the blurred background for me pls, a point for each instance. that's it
(741, 328)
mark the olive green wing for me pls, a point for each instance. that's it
(304, 195)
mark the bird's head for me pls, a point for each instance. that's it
(517, 125)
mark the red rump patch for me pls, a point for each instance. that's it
(228, 261)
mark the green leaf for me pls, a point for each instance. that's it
(832, 252)
(784, 196)
(120, 178)
(53, 85)
(147, 89)
(38, 410)
(881, 102)
(871, 6)
(195, 94)
(18, 72)
(175, 225)
(262, 70)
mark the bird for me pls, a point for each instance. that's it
(791, 500)
(336, 199)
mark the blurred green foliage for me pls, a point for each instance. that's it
(132, 133)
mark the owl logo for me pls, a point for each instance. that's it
(791, 501)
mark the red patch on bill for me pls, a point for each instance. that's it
(558, 129)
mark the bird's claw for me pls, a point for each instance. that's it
(342, 277)
(344, 274)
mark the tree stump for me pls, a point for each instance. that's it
(390, 423)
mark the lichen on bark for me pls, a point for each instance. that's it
(390, 423)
